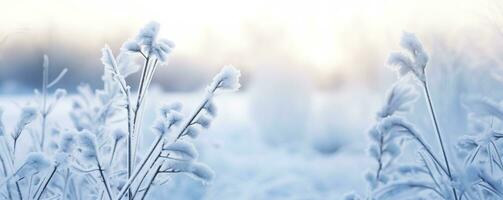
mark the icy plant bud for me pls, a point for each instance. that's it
(210, 108)
(67, 142)
(203, 172)
(204, 120)
(197, 170)
(192, 132)
(60, 93)
(126, 65)
(118, 135)
(131, 46)
(227, 79)
(35, 162)
(174, 118)
(148, 34)
(160, 127)
(162, 48)
(182, 149)
(168, 108)
(88, 146)
(399, 99)
(403, 64)
(28, 114)
(148, 39)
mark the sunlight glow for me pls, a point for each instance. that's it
(312, 32)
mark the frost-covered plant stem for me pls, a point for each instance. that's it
(437, 130)
(104, 179)
(45, 79)
(159, 139)
(157, 170)
(45, 183)
(127, 186)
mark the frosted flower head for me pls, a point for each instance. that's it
(35, 162)
(404, 64)
(87, 143)
(399, 99)
(226, 79)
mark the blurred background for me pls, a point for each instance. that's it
(313, 75)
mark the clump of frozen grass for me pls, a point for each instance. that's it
(478, 177)
(432, 177)
(106, 125)
(161, 153)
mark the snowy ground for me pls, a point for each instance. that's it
(285, 150)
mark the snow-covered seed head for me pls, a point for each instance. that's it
(227, 79)
(60, 93)
(148, 39)
(67, 142)
(28, 114)
(88, 146)
(35, 162)
(182, 150)
(399, 99)
(118, 135)
(148, 34)
(210, 108)
(192, 131)
(199, 171)
(131, 46)
(204, 120)
(167, 108)
(174, 118)
(203, 172)
(403, 64)
(125, 65)
(160, 127)
(162, 49)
